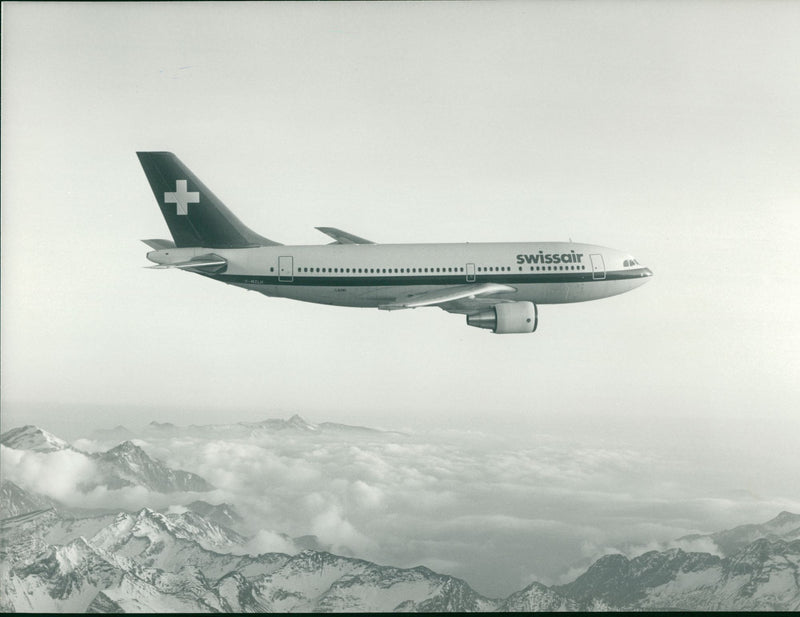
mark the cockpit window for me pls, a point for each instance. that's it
(627, 263)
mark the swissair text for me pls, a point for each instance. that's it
(551, 258)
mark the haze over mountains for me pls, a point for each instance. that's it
(192, 543)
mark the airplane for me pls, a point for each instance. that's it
(497, 286)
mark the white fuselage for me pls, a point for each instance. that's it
(371, 275)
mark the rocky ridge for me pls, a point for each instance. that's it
(155, 562)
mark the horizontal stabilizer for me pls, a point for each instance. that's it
(441, 296)
(342, 237)
(203, 263)
(160, 245)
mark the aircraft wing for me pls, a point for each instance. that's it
(342, 237)
(450, 297)
(204, 263)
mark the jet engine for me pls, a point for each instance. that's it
(507, 318)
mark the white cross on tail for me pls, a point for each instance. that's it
(182, 198)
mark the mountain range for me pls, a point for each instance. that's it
(782, 527)
(235, 430)
(124, 465)
(192, 559)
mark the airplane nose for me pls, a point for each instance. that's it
(647, 272)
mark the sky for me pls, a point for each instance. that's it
(668, 130)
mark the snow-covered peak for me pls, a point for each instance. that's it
(783, 524)
(126, 446)
(298, 422)
(128, 464)
(32, 438)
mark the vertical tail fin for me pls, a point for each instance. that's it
(194, 215)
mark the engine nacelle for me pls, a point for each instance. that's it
(507, 318)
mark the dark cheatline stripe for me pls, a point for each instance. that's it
(360, 280)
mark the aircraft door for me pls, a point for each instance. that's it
(470, 273)
(598, 267)
(285, 269)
